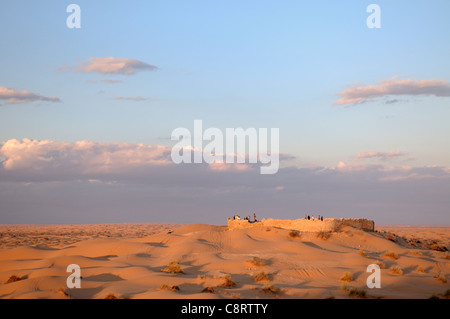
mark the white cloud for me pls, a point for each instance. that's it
(18, 97)
(110, 65)
(384, 88)
(81, 157)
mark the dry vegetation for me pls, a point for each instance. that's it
(13, 278)
(270, 289)
(227, 282)
(396, 270)
(173, 267)
(347, 277)
(416, 253)
(357, 292)
(323, 235)
(169, 288)
(354, 292)
(262, 276)
(420, 269)
(293, 234)
(391, 254)
(381, 264)
(209, 290)
(111, 296)
(257, 262)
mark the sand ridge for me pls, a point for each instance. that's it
(266, 262)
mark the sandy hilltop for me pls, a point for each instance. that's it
(208, 261)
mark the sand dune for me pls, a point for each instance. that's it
(125, 261)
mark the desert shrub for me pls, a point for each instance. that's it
(294, 234)
(323, 235)
(170, 288)
(381, 264)
(13, 278)
(257, 262)
(111, 296)
(173, 267)
(391, 254)
(209, 290)
(396, 270)
(347, 277)
(271, 289)
(261, 277)
(420, 269)
(416, 253)
(362, 253)
(357, 292)
(228, 282)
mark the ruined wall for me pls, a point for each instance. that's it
(328, 224)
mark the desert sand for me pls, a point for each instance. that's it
(130, 261)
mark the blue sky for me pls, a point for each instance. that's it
(232, 64)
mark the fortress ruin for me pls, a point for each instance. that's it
(304, 225)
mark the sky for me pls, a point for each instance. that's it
(86, 114)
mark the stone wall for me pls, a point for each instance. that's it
(304, 225)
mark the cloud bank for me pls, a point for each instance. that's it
(85, 181)
(384, 88)
(18, 97)
(83, 160)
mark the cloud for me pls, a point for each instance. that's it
(18, 97)
(80, 159)
(383, 156)
(50, 181)
(110, 65)
(110, 81)
(384, 88)
(29, 160)
(135, 98)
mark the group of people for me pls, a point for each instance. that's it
(312, 217)
(237, 217)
